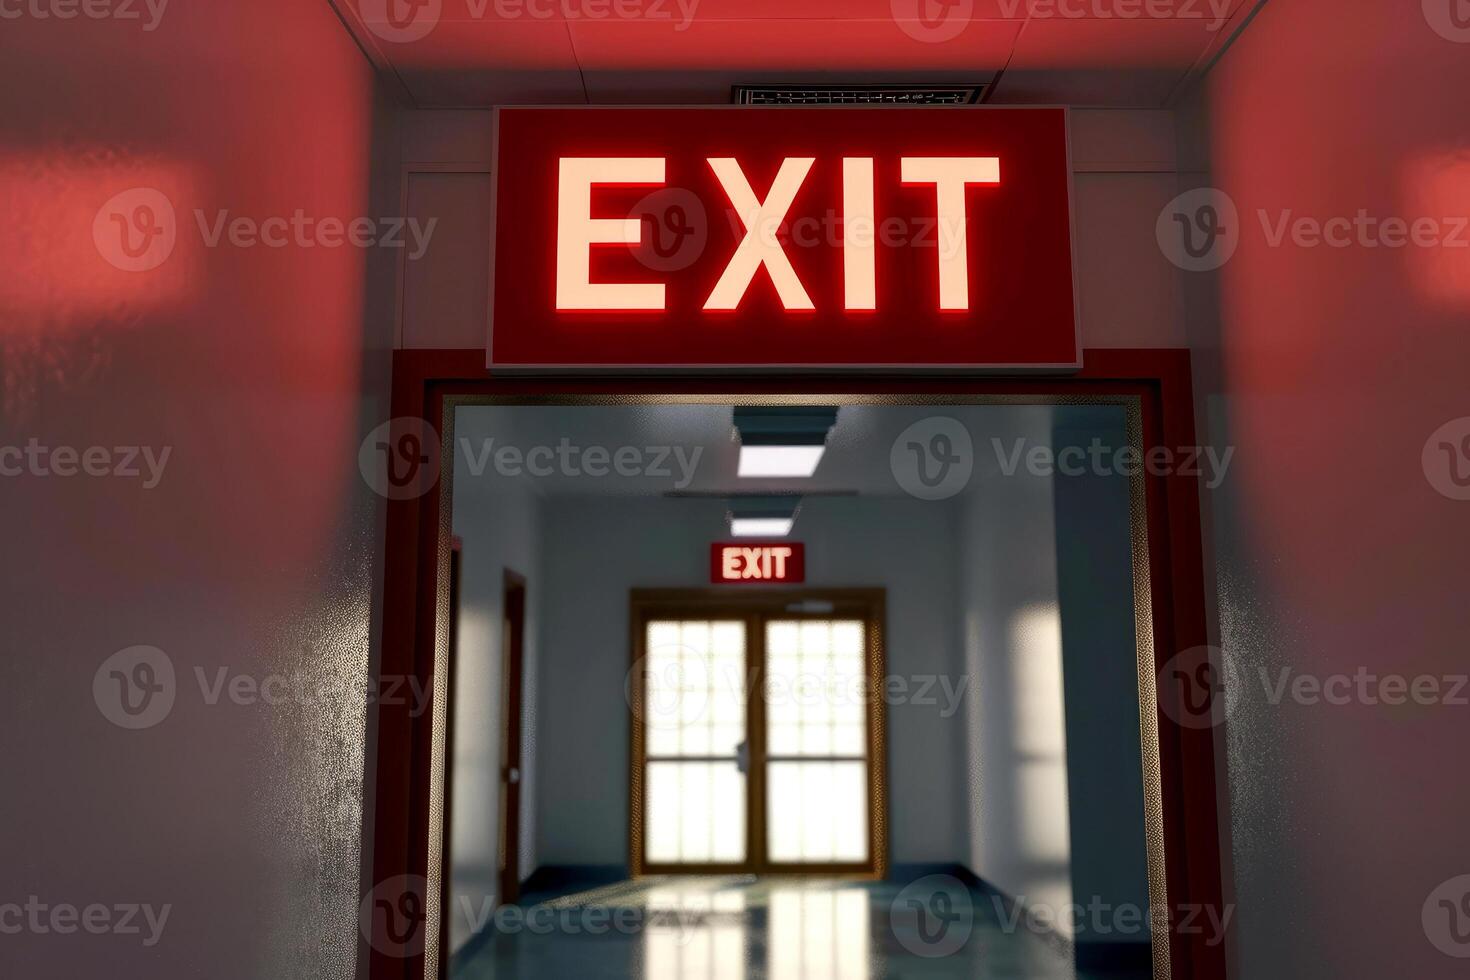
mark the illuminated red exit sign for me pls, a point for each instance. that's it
(665, 239)
(756, 563)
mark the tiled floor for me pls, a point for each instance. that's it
(739, 928)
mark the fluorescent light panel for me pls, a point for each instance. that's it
(761, 527)
(762, 517)
(779, 461)
(782, 441)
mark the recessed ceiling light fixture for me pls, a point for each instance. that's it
(762, 517)
(784, 441)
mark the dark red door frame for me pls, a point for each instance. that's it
(1159, 378)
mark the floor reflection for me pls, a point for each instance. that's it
(743, 928)
(695, 930)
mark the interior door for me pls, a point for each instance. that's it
(513, 629)
(790, 781)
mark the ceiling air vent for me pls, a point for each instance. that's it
(858, 94)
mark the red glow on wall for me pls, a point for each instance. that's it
(95, 237)
(1436, 206)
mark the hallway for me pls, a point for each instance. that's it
(743, 928)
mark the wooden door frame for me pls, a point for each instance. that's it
(513, 679)
(1192, 801)
(754, 606)
(456, 580)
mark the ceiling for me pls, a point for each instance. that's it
(857, 460)
(479, 53)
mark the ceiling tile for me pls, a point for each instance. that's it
(1092, 44)
(486, 62)
(798, 45)
(1095, 62)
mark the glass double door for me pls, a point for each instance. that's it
(757, 734)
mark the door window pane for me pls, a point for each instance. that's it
(818, 812)
(816, 709)
(694, 721)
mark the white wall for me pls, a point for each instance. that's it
(498, 523)
(1055, 781)
(1019, 829)
(597, 549)
(259, 551)
(1100, 663)
(1328, 369)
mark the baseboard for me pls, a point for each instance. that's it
(905, 873)
(1133, 957)
(1013, 909)
(546, 880)
(470, 949)
(569, 877)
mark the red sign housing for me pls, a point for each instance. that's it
(733, 563)
(665, 239)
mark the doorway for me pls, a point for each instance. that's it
(758, 733)
(1150, 388)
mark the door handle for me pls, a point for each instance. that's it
(512, 775)
(742, 757)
